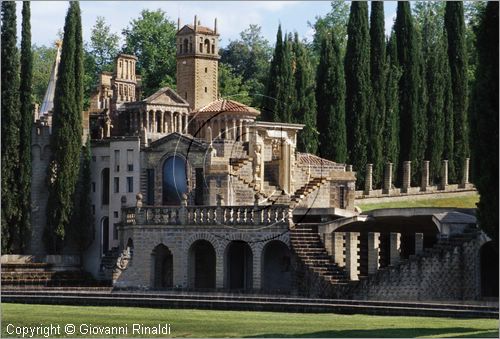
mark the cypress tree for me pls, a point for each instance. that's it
(391, 125)
(378, 74)
(357, 74)
(305, 102)
(457, 55)
(330, 98)
(286, 94)
(269, 103)
(26, 110)
(66, 133)
(10, 130)
(449, 136)
(484, 122)
(412, 118)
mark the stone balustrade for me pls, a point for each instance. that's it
(207, 215)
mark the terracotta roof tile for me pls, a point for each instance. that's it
(313, 160)
(224, 105)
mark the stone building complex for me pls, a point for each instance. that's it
(194, 191)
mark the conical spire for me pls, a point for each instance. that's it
(48, 99)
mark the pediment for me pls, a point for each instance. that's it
(166, 96)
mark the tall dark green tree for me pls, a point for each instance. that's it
(330, 98)
(484, 122)
(358, 89)
(457, 55)
(391, 125)
(376, 116)
(26, 110)
(66, 132)
(449, 136)
(305, 109)
(10, 130)
(269, 103)
(411, 112)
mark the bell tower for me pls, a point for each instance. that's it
(197, 63)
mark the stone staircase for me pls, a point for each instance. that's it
(43, 275)
(108, 263)
(304, 191)
(311, 251)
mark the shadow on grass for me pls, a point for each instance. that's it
(453, 332)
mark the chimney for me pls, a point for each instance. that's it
(195, 22)
(215, 25)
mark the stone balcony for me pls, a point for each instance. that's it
(208, 215)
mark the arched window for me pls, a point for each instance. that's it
(185, 45)
(207, 45)
(174, 180)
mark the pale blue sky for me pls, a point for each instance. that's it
(47, 17)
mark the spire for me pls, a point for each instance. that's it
(48, 99)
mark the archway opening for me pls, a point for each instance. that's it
(202, 265)
(276, 267)
(239, 263)
(174, 180)
(489, 270)
(163, 271)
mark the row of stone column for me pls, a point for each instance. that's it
(406, 182)
(224, 128)
(344, 248)
(159, 121)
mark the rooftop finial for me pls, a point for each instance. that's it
(195, 22)
(215, 25)
(178, 23)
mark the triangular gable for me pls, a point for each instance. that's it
(166, 96)
(185, 140)
(186, 30)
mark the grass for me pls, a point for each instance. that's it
(465, 201)
(202, 323)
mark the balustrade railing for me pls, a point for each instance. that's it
(207, 215)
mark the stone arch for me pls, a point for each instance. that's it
(276, 267)
(206, 45)
(238, 265)
(162, 268)
(202, 261)
(488, 254)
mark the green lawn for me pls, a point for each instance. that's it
(466, 201)
(200, 323)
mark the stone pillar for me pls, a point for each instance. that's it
(141, 121)
(406, 177)
(387, 178)
(419, 243)
(240, 129)
(351, 255)
(162, 122)
(394, 248)
(444, 175)
(425, 176)
(147, 121)
(154, 129)
(465, 174)
(368, 179)
(186, 123)
(338, 248)
(348, 168)
(235, 135)
(247, 131)
(219, 271)
(172, 130)
(373, 252)
(226, 132)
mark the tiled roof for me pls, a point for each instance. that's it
(224, 105)
(202, 29)
(313, 160)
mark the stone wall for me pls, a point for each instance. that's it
(179, 239)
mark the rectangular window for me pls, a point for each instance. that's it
(205, 90)
(206, 70)
(105, 186)
(342, 197)
(117, 161)
(117, 185)
(93, 209)
(115, 232)
(130, 160)
(115, 214)
(130, 184)
(93, 187)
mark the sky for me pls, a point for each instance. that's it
(47, 17)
